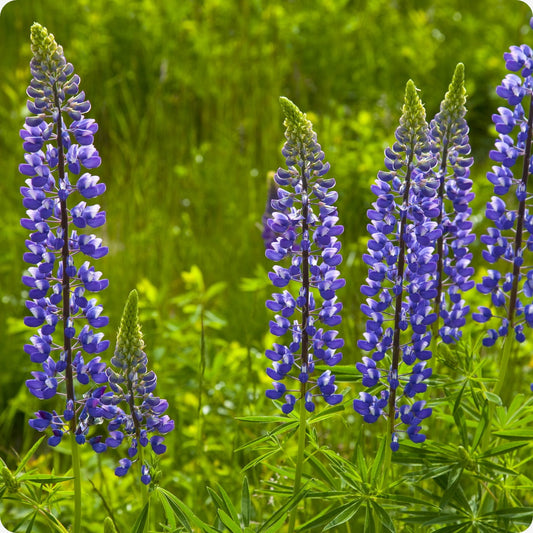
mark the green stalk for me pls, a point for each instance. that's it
(302, 430)
(76, 472)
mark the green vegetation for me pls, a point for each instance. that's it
(186, 95)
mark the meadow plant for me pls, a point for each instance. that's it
(509, 240)
(401, 283)
(305, 219)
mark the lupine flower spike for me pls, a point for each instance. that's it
(140, 413)
(448, 133)
(509, 242)
(305, 222)
(59, 144)
(401, 284)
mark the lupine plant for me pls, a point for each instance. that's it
(401, 284)
(305, 219)
(509, 240)
(58, 140)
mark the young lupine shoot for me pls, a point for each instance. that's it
(401, 285)
(509, 241)
(58, 140)
(305, 222)
(448, 133)
(140, 413)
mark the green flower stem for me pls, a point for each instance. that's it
(302, 430)
(76, 472)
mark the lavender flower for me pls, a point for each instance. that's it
(448, 132)
(304, 219)
(510, 237)
(58, 140)
(139, 412)
(401, 277)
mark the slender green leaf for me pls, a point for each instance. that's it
(228, 504)
(515, 433)
(246, 503)
(503, 448)
(182, 511)
(325, 414)
(140, 523)
(169, 513)
(263, 419)
(283, 512)
(344, 515)
(228, 522)
(28, 455)
(259, 459)
(44, 478)
(384, 518)
(31, 522)
(481, 427)
(378, 459)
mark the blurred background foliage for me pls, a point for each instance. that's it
(186, 96)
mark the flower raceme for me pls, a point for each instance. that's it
(509, 240)
(448, 133)
(139, 412)
(304, 221)
(419, 260)
(401, 284)
(58, 140)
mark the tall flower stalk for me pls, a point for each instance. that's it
(401, 285)
(509, 241)
(448, 133)
(305, 223)
(58, 140)
(140, 415)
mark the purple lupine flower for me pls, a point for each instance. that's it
(138, 412)
(58, 143)
(401, 282)
(509, 240)
(448, 132)
(305, 221)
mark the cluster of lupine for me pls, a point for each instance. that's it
(59, 281)
(133, 385)
(305, 220)
(59, 143)
(448, 133)
(401, 284)
(511, 237)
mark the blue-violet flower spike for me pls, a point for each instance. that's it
(58, 141)
(140, 413)
(448, 133)
(401, 284)
(305, 222)
(509, 239)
